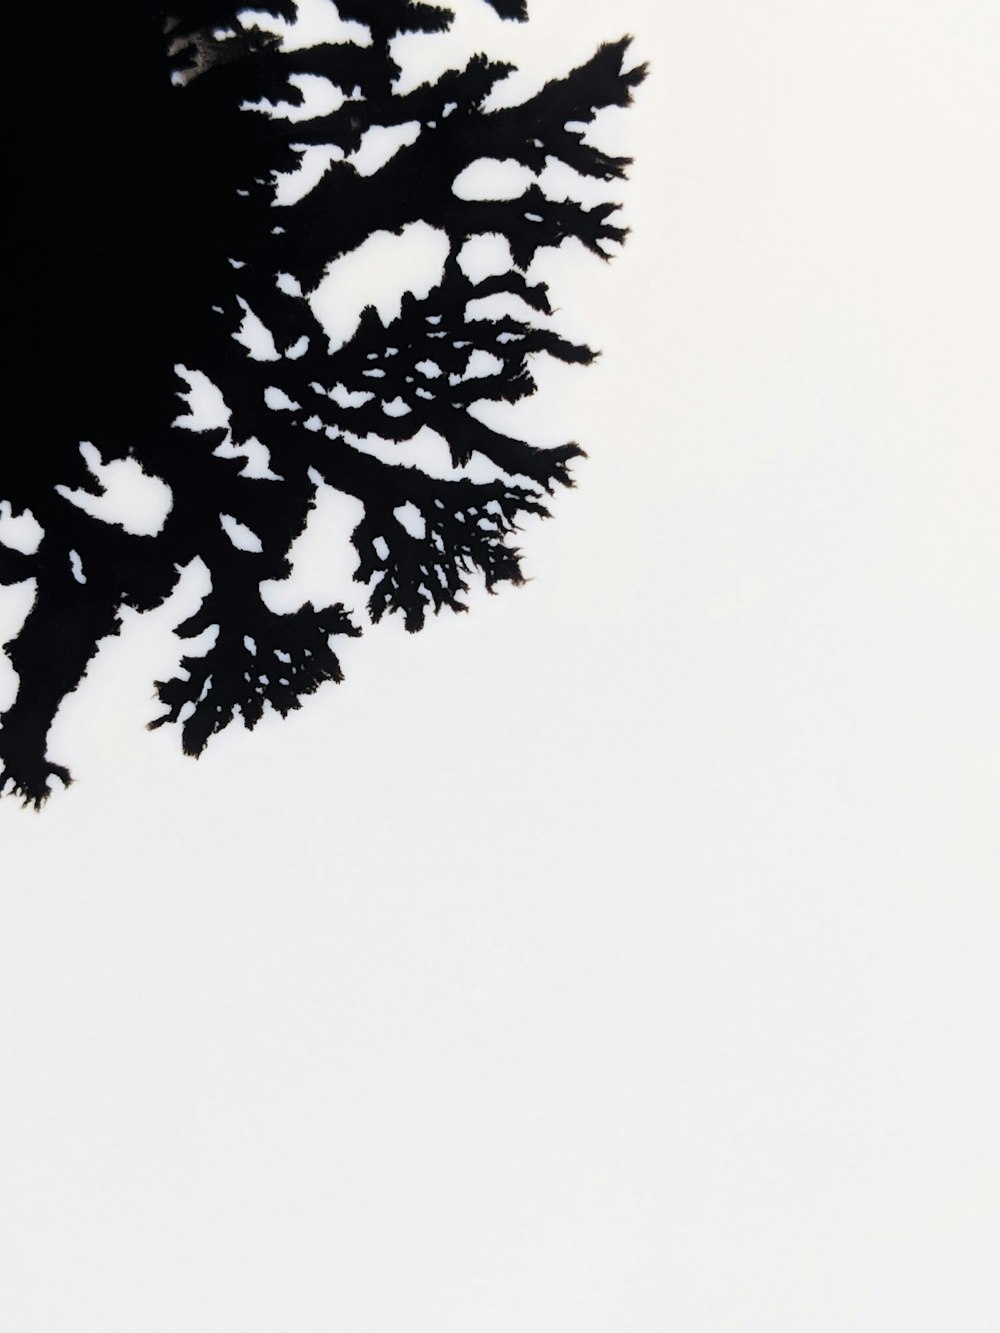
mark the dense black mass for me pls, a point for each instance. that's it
(141, 226)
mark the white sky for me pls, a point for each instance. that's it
(623, 955)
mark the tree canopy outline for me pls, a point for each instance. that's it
(142, 153)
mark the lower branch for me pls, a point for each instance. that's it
(50, 655)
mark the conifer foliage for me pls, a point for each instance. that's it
(144, 230)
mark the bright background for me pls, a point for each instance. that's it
(625, 956)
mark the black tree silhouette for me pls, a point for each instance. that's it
(143, 231)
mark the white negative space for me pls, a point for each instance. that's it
(377, 273)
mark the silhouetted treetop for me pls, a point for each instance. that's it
(176, 205)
